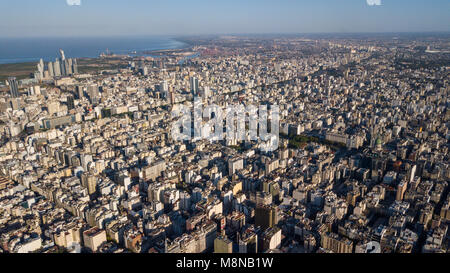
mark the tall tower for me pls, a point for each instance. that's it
(75, 66)
(57, 68)
(63, 56)
(13, 87)
(63, 63)
(194, 85)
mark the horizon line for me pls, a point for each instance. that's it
(227, 34)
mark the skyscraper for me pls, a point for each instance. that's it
(57, 68)
(63, 56)
(194, 85)
(75, 66)
(93, 93)
(70, 103)
(164, 89)
(50, 69)
(41, 69)
(13, 87)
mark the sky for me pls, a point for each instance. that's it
(63, 18)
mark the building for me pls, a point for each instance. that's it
(93, 238)
(401, 189)
(335, 243)
(194, 85)
(223, 245)
(51, 123)
(70, 103)
(4, 182)
(89, 181)
(13, 87)
(248, 242)
(271, 239)
(266, 216)
(234, 165)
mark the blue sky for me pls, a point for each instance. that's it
(25, 18)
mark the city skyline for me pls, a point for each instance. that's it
(58, 18)
(213, 127)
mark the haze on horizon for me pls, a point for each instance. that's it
(30, 18)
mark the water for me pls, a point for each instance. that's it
(20, 50)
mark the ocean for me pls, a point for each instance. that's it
(20, 50)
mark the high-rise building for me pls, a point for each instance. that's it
(50, 69)
(266, 216)
(206, 92)
(13, 87)
(75, 66)
(93, 92)
(171, 95)
(164, 89)
(79, 92)
(63, 56)
(70, 103)
(89, 181)
(401, 189)
(61, 67)
(41, 69)
(69, 66)
(57, 68)
(223, 245)
(194, 85)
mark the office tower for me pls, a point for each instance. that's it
(164, 89)
(57, 68)
(194, 85)
(70, 103)
(13, 87)
(69, 66)
(93, 92)
(144, 71)
(223, 245)
(79, 92)
(50, 69)
(75, 66)
(63, 67)
(63, 56)
(171, 95)
(266, 216)
(41, 68)
(206, 92)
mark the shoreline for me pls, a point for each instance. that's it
(179, 46)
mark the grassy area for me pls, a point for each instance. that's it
(85, 65)
(300, 142)
(20, 70)
(239, 148)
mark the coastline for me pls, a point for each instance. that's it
(31, 50)
(23, 69)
